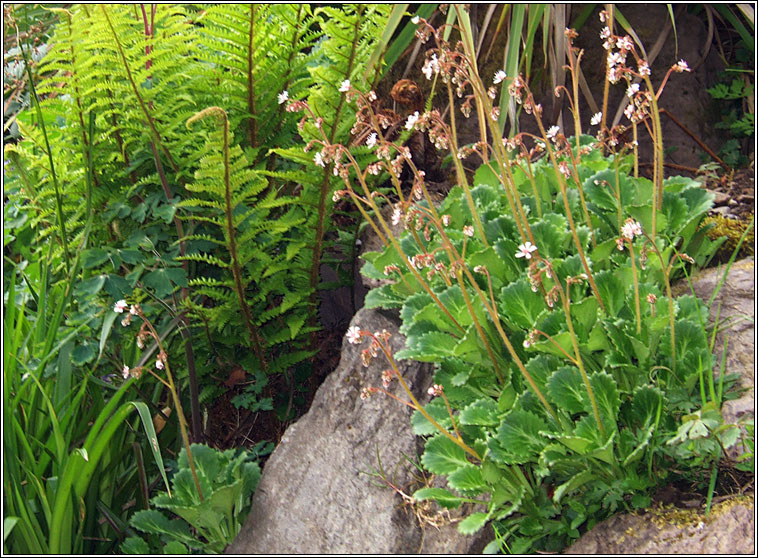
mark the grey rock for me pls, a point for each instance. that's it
(735, 308)
(317, 494)
(719, 198)
(728, 529)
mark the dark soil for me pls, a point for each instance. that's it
(232, 427)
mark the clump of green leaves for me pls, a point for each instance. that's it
(736, 117)
(556, 468)
(206, 524)
(569, 381)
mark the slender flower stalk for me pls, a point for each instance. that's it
(565, 298)
(148, 329)
(415, 404)
(570, 218)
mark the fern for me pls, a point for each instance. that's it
(255, 52)
(350, 35)
(251, 249)
(253, 286)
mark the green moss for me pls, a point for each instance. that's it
(732, 229)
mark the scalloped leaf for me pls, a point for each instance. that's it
(519, 305)
(482, 412)
(438, 411)
(519, 436)
(473, 523)
(567, 390)
(443, 497)
(467, 479)
(646, 403)
(442, 456)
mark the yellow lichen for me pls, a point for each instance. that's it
(682, 518)
(733, 230)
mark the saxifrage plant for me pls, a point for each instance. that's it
(567, 374)
(228, 480)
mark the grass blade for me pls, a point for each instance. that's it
(398, 11)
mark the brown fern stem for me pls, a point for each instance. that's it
(255, 337)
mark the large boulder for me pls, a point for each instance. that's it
(728, 529)
(318, 492)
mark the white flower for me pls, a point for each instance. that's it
(446, 220)
(125, 371)
(354, 335)
(396, 215)
(525, 250)
(644, 69)
(631, 228)
(133, 310)
(625, 43)
(345, 87)
(552, 132)
(468, 230)
(616, 58)
(564, 168)
(436, 389)
(120, 306)
(596, 118)
(159, 364)
(371, 96)
(681, 66)
(319, 160)
(283, 97)
(412, 119)
(415, 20)
(500, 75)
(632, 89)
(431, 66)
(371, 140)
